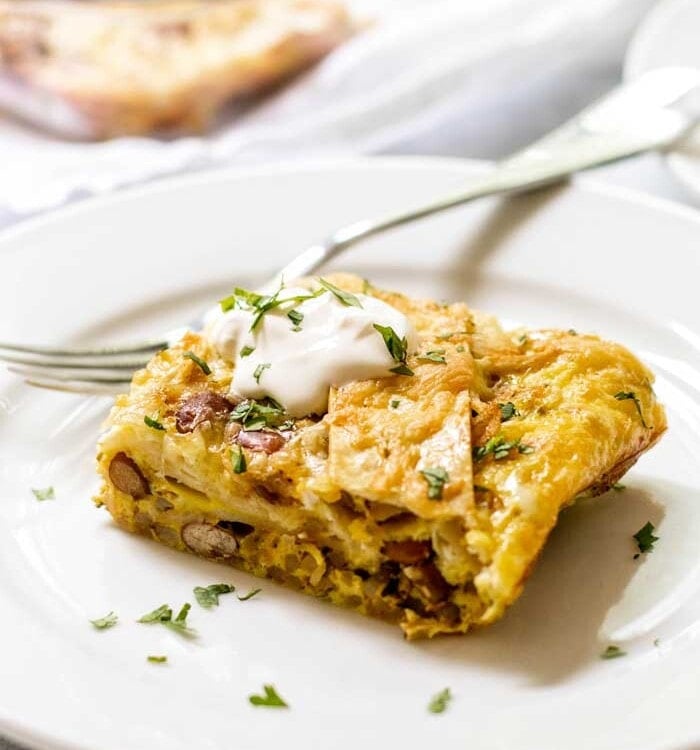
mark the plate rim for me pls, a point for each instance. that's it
(587, 181)
(24, 733)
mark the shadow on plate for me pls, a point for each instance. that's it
(504, 219)
(554, 628)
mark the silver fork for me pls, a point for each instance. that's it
(645, 114)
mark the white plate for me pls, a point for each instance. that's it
(585, 257)
(670, 35)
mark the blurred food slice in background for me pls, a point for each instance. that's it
(97, 70)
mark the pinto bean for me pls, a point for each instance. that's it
(127, 477)
(205, 406)
(208, 540)
(407, 552)
(261, 440)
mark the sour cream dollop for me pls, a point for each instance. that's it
(296, 364)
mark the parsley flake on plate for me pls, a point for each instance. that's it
(161, 614)
(645, 539)
(47, 493)
(271, 699)
(436, 477)
(108, 621)
(246, 351)
(157, 659)
(613, 652)
(208, 596)
(394, 403)
(203, 366)
(439, 702)
(154, 424)
(249, 595)
(164, 616)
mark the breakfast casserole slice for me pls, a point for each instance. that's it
(423, 497)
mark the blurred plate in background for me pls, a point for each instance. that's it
(670, 35)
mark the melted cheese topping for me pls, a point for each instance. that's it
(300, 349)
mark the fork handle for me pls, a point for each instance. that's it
(631, 119)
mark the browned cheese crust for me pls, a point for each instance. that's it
(337, 506)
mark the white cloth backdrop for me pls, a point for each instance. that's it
(474, 78)
(458, 77)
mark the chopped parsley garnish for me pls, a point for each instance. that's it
(180, 622)
(246, 351)
(203, 366)
(508, 411)
(260, 304)
(436, 477)
(619, 487)
(446, 336)
(249, 595)
(47, 493)
(157, 659)
(394, 403)
(438, 703)
(296, 317)
(164, 616)
(460, 348)
(240, 465)
(256, 415)
(259, 370)
(349, 300)
(153, 423)
(613, 652)
(572, 332)
(523, 339)
(437, 355)
(242, 298)
(632, 396)
(402, 369)
(366, 286)
(271, 699)
(500, 448)
(645, 539)
(397, 347)
(208, 596)
(108, 621)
